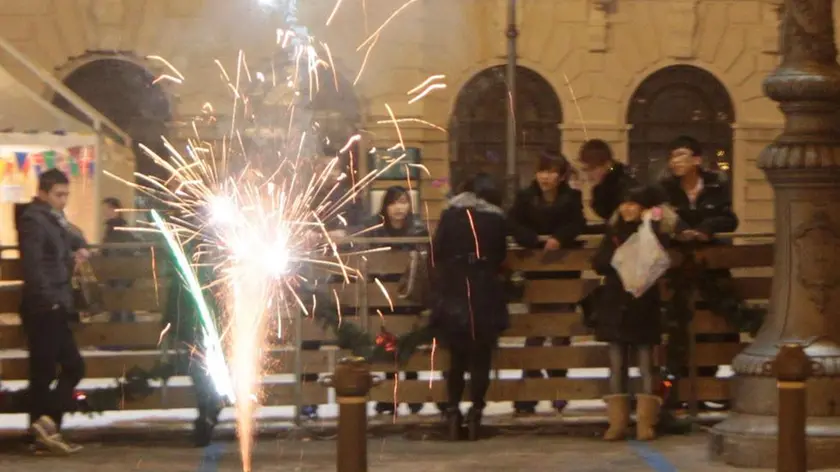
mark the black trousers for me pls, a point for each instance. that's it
(207, 399)
(475, 358)
(52, 346)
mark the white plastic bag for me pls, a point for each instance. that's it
(641, 260)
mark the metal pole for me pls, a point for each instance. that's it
(510, 140)
(792, 367)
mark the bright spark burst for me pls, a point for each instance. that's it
(256, 206)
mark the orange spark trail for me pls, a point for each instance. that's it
(335, 10)
(387, 21)
(428, 90)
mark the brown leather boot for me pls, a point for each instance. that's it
(647, 416)
(618, 413)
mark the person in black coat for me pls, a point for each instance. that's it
(49, 249)
(396, 220)
(549, 206)
(470, 309)
(629, 322)
(610, 178)
(703, 200)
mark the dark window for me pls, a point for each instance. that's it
(126, 94)
(679, 100)
(478, 127)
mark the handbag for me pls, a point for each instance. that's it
(87, 294)
(416, 282)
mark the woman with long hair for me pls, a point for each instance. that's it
(470, 309)
(396, 219)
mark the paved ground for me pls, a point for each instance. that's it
(414, 449)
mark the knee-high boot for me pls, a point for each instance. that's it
(647, 416)
(618, 413)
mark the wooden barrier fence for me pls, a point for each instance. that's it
(365, 303)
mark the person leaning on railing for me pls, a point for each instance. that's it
(703, 201)
(396, 219)
(550, 206)
(469, 311)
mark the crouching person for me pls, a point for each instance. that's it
(630, 322)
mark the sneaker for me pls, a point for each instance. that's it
(47, 437)
(415, 408)
(525, 411)
(383, 408)
(560, 405)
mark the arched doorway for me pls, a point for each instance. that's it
(674, 101)
(126, 94)
(479, 121)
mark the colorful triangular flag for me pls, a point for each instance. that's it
(22, 161)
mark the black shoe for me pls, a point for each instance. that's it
(203, 431)
(525, 411)
(473, 424)
(415, 408)
(383, 408)
(454, 423)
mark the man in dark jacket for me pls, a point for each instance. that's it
(701, 197)
(610, 178)
(549, 206)
(49, 249)
(703, 201)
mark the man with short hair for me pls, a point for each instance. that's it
(701, 197)
(703, 200)
(610, 178)
(49, 249)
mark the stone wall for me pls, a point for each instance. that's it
(594, 57)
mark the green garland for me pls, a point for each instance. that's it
(716, 288)
(384, 347)
(134, 387)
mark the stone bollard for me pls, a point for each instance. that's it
(791, 367)
(352, 383)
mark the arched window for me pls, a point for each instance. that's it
(126, 94)
(674, 101)
(478, 126)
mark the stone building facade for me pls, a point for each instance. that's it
(635, 73)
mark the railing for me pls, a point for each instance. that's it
(364, 303)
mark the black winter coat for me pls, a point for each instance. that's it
(563, 218)
(47, 243)
(469, 249)
(620, 317)
(712, 212)
(608, 194)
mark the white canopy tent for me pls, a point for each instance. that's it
(31, 127)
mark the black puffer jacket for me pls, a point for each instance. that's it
(47, 244)
(469, 248)
(608, 194)
(562, 218)
(712, 212)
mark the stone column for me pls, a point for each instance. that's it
(803, 165)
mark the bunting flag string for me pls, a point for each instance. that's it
(75, 161)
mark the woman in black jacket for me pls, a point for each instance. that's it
(551, 207)
(630, 322)
(470, 310)
(396, 220)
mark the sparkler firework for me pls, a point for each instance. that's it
(256, 211)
